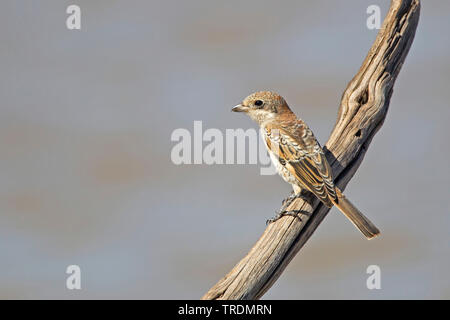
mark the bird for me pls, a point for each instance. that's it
(298, 157)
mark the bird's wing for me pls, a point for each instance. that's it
(302, 155)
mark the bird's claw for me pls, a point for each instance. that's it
(280, 214)
(285, 204)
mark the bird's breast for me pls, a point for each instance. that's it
(280, 167)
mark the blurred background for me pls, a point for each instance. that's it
(86, 176)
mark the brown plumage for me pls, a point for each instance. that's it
(298, 156)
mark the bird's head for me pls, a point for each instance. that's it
(263, 106)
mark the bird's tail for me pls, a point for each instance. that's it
(355, 216)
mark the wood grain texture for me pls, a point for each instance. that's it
(363, 108)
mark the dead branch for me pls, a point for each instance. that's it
(363, 108)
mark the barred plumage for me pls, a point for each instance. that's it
(302, 160)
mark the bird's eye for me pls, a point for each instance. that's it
(258, 103)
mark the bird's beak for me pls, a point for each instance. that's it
(239, 108)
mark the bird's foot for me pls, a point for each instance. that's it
(281, 213)
(303, 194)
(287, 201)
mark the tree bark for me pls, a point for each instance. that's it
(362, 111)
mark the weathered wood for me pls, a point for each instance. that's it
(362, 111)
